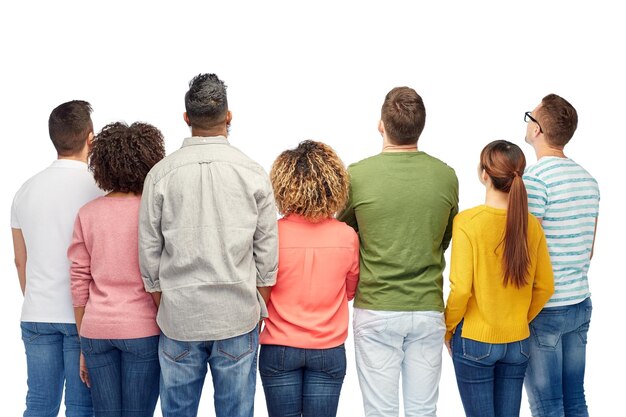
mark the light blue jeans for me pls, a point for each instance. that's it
(233, 368)
(124, 375)
(556, 370)
(390, 344)
(53, 358)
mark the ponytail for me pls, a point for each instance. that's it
(516, 260)
(504, 162)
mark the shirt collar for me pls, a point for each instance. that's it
(205, 140)
(69, 163)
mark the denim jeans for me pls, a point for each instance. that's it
(490, 376)
(556, 372)
(52, 358)
(393, 343)
(302, 382)
(124, 375)
(233, 368)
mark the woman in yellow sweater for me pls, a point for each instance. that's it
(500, 278)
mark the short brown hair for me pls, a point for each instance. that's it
(403, 115)
(69, 126)
(310, 181)
(122, 155)
(558, 119)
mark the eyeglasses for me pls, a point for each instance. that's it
(528, 117)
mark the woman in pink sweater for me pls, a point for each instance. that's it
(303, 360)
(116, 318)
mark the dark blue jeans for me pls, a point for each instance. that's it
(53, 358)
(124, 375)
(302, 382)
(489, 376)
(556, 371)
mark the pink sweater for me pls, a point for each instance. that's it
(318, 272)
(105, 276)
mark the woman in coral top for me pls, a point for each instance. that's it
(500, 278)
(303, 361)
(116, 318)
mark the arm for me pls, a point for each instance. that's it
(461, 279)
(265, 240)
(150, 238)
(447, 236)
(19, 249)
(593, 244)
(347, 215)
(156, 297)
(543, 284)
(537, 196)
(80, 269)
(265, 293)
(352, 278)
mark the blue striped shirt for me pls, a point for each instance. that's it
(565, 197)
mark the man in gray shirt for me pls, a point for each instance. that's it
(208, 251)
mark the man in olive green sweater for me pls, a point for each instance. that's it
(402, 202)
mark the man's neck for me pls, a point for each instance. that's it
(206, 133)
(388, 146)
(81, 157)
(543, 149)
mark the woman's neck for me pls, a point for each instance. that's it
(119, 194)
(496, 198)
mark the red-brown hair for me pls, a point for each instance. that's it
(504, 162)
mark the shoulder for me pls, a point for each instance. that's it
(468, 216)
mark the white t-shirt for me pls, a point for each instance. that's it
(45, 209)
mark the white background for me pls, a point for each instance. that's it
(320, 70)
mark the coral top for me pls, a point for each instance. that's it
(105, 276)
(318, 272)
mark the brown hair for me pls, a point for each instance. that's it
(504, 162)
(558, 119)
(69, 127)
(310, 181)
(403, 115)
(122, 155)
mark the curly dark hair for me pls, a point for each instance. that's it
(122, 155)
(310, 181)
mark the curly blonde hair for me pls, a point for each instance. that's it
(310, 181)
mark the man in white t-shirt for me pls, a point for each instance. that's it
(42, 219)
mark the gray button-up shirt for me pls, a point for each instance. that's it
(207, 238)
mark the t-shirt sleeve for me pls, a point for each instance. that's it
(537, 195)
(15, 223)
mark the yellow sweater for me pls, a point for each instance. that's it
(493, 313)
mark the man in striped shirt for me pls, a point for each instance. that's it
(565, 197)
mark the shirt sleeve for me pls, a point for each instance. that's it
(265, 245)
(15, 223)
(543, 283)
(150, 236)
(347, 215)
(80, 266)
(352, 278)
(537, 195)
(447, 236)
(461, 279)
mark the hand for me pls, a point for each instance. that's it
(449, 346)
(84, 374)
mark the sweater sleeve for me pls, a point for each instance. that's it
(543, 284)
(461, 279)
(80, 266)
(352, 278)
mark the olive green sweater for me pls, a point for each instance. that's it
(402, 205)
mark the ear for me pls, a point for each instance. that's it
(484, 177)
(229, 117)
(90, 139)
(186, 119)
(381, 127)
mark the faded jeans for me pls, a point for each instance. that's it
(390, 344)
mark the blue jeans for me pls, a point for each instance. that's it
(124, 375)
(52, 358)
(556, 372)
(302, 382)
(489, 376)
(233, 368)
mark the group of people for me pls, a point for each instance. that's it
(140, 271)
